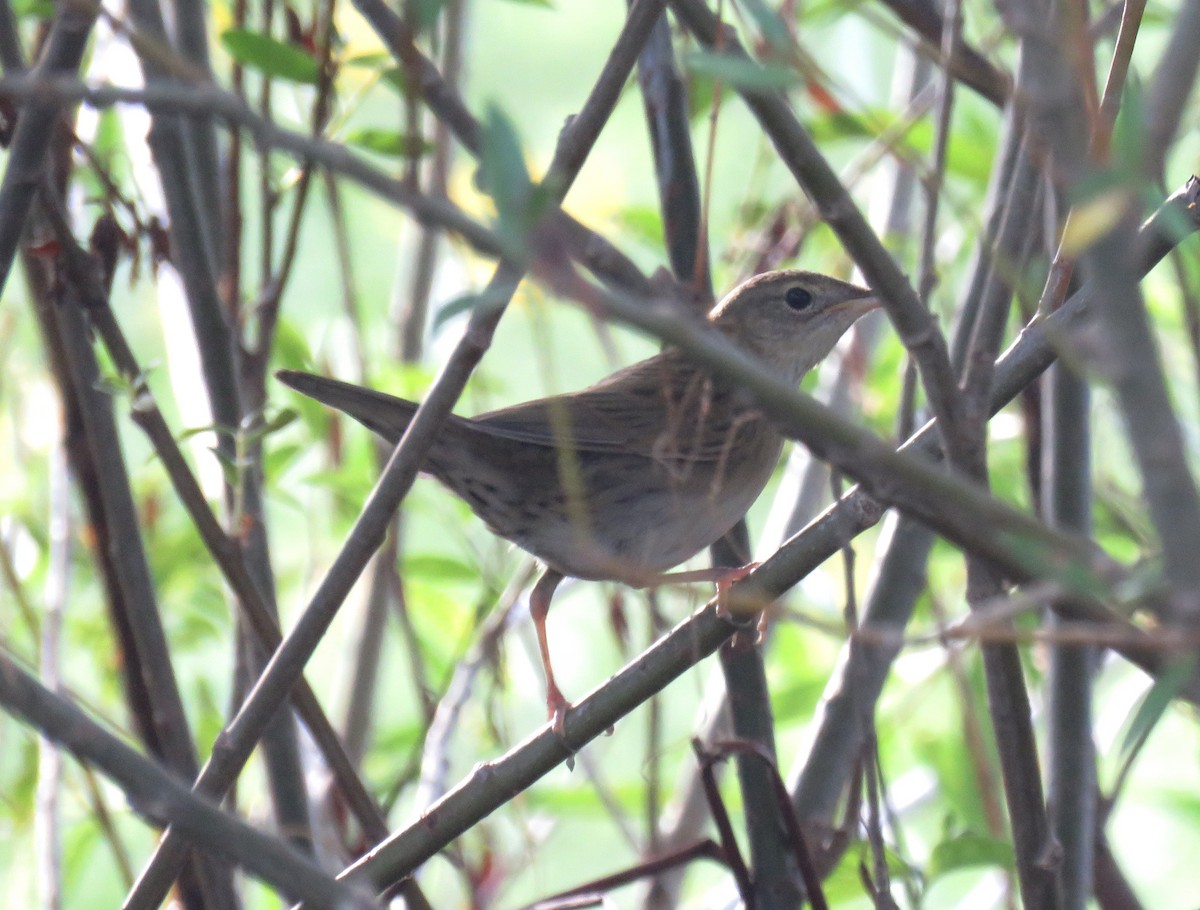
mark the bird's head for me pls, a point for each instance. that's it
(791, 319)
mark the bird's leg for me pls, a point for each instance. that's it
(724, 577)
(539, 606)
(726, 580)
(727, 577)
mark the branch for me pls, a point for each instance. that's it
(160, 798)
(203, 100)
(966, 64)
(28, 154)
(1173, 81)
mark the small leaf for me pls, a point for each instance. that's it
(643, 222)
(1094, 218)
(1154, 703)
(36, 9)
(389, 142)
(843, 885)
(701, 95)
(488, 298)
(393, 77)
(270, 56)
(1074, 576)
(375, 60)
(1127, 148)
(739, 72)
(279, 421)
(425, 12)
(829, 125)
(966, 850)
(291, 346)
(433, 567)
(769, 23)
(216, 428)
(502, 173)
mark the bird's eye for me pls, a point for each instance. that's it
(798, 298)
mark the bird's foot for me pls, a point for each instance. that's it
(729, 577)
(748, 636)
(724, 577)
(557, 707)
(726, 580)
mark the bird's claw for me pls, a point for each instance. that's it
(726, 580)
(557, 707)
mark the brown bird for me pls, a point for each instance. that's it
(639, 472)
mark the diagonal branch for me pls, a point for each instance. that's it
(28, 154)
(159, 797)
(202, 100)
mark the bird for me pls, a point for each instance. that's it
(627, 478)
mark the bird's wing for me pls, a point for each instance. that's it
(661, 408)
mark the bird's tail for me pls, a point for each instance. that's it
(386, 415)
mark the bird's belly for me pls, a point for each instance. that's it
(630, 536)
(641, 547)
(623, 518)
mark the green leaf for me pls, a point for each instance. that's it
(189, 432)
(966, 850)
(389, 142)
(844, 884)
(739, 72)
(425, 12)
(393, 77)
(1128, 145)
(374, 60)
(488, 298)
(435, 567)
(37, 9)
(1076, 577)
(278, 458)
(828, 126)
(279, 420)
(968, 155)
(502, 173)
(269, 56)
(769, 24)
(644, 222)
(291, 348)
(574, 799)
(701, 95)
(1154, 704)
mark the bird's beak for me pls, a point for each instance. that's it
(860, 306)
